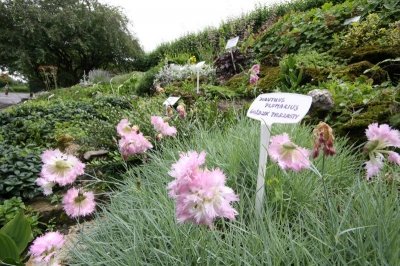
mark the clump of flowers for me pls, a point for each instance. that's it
(287, 154)
(380, 137)
(323, 139)
(77, 202)
(254, 71)
(44, 248)
(201, 195)
(132, 140)
(60, 168)
(162, 127)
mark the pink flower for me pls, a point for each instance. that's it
(44, 248)
(60, 168)
(181, 111)
(76, 202)
(46, 185)
(184, 170)
(201, 195)
(379, 139)
(124, 128)
(373, 167)
(162, 127)
(253, 79)
(384, 134)
(206, 198)
(394, 157)
(255, 69)
(134, 143)
(287, 154)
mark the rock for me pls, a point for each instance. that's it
(322, 100)
(90, 154)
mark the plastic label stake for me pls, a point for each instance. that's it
(269, 108)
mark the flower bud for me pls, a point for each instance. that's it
(323, 138)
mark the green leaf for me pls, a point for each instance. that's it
(19, 230)
(8, 248)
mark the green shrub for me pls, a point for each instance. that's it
(11, 207)
(19, 168)
(310, 29)
(144, 85)
(370, 32)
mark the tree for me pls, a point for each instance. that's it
(72, 35)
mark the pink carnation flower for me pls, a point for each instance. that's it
(255, 69)
(162, 127)
(181, 111)
(78, 203)
(124, 128)
(184, 170)
(394, 157)
(44, 248)
(201, 195)
(253, 79)
(206, 198)
(45, 185)
(60, 168)
(287, 154)
(384, 135)
(380, 137)
(134, 143)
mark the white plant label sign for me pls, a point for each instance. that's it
(232, 43)
(352, 20)
(199, 65)
(282, 108)
(171, 101)
(269, 108)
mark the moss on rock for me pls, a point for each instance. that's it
(384, 109)
(269, 79)
(353, 71)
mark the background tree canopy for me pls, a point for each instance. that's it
(72, 35)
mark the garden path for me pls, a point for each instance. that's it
(12, 98)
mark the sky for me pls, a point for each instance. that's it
(154, 22)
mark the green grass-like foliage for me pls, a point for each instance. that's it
(360, 226)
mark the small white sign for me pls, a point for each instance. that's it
(232, 43)
(352, 20)
(171, 101)
(283, 108)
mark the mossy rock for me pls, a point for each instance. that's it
(315, 75)
(373, 54)
(238, 82)
(269, 79)
(384, 109)
(353, 71)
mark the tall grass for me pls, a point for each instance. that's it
(138, 226)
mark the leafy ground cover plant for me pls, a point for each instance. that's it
(360, 226)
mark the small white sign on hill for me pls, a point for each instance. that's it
(171, 101)
(232, 43)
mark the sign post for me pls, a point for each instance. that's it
(229, 45)
(198, 67)
(269, 108)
